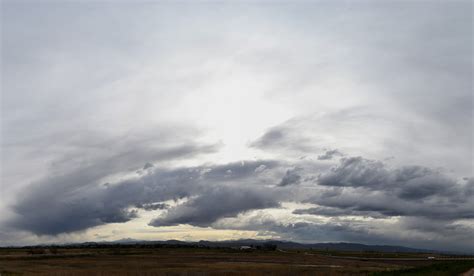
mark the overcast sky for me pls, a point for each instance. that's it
(309, 121)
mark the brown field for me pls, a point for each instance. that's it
(193, 261)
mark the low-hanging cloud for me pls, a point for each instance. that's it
(77, 201)
(218, 195)
(370, 186)
(216, 203)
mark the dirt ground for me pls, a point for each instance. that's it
(470, 272)
(183, 261)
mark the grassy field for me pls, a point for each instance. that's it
(437, 269)
(197, 261)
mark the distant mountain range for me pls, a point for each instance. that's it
(337, 246)
(340, 246)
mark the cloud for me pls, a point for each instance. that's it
(412, 232)
(328, 155)
(68, 204)
(78, 200)
(270, 138)
(355, 172)
(216, 203)
(152, 206)
(361, 200)
(375, 133)
(368, 185)
(147, 166)
(291, 177)
(408, 182)
(336, 212)
(239, 170)
(286, 138)
(260, 168)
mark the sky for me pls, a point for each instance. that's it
(309, 121)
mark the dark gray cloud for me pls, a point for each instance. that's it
(408, 182)
(425, 201)
(216, 203)
(328, 155)
(350, 231)
(335, 212)
(428, 204)
(408, 231)
(370, 186)
(440, 208)
(239, 170)
(147, 166)
(78, 200)
(152, 206)
(69, 204)
(291, 177)
(75, 198)
(355, 172)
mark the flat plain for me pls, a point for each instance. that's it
(212, 261)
